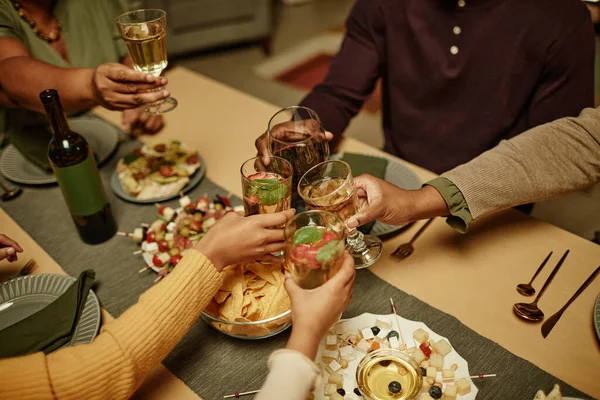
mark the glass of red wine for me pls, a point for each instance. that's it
(296, 134)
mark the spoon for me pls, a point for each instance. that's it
(531, 311)
(10, 193)
(525, 288)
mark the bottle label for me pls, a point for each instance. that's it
(81, 187)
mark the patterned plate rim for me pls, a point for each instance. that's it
(90, 310)
(597, 316)
(195, 180)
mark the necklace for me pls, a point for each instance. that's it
(52, 37)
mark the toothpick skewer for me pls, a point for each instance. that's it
(157, 205)
(137, 253)
(145, 225)
(124, 234)
(238, 394)
(480, 376)
(398, 324)
(181, 194)
(146, 268)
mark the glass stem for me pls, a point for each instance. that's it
(355, 241)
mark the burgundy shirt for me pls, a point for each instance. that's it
(459, 75)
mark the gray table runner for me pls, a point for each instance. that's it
(214, 365)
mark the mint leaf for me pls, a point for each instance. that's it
(328, 251)
(307, 234)
(269, 191)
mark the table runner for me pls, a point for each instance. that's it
(212, 364)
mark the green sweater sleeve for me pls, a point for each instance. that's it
(460, 216)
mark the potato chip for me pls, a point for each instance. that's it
(221, 296)
(257, 284)
(264, 271)
(232, 307)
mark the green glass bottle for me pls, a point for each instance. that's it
(77, 174)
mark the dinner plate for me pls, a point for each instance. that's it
(102, 137)
(26, 295)
(194, 181)
(597, 317)
(407, 327)
(399, 175)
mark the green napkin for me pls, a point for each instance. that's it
(33, 144)
(363, 164)
(53, 326)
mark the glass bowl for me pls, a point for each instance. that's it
(250, 330)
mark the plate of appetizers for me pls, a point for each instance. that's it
(388, 357)
(165, 241)
(157, 172)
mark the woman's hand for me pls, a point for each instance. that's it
(315, 311)
(137, 122)
(9, 248)
(236, 239)
(119, 87)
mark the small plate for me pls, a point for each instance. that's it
(399, 175)
(597, 317)
(102, 137)
(194, 181)
(24, 296)
(407, 328)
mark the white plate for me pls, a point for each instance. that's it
(408, 327)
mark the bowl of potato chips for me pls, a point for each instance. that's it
(252, 302)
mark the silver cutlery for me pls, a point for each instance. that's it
(549, 324)
(26, 270)
(406, 249)
(525, 288)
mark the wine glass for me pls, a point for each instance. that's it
(145, 34)
(314, 247)
(267, 187)
(329, 186)
(297, 135)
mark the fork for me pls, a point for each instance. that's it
(406, 249)
(26, 270)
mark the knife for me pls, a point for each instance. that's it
(550, 322)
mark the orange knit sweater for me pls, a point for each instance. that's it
(115, 363)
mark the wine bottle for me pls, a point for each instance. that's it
(77, 174)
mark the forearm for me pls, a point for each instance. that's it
(545, 162)
(22, 78)
(114, 365)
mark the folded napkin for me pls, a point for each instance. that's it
(33, 144)
(53, 326)
(363, 164)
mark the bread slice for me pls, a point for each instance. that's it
(154, 190)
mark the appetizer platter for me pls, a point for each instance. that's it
(157, 172)
(344, 351)
(164, 241)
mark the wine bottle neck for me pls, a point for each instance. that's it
(58, 120)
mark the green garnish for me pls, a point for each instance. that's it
(269, 191)
(307, 234)
(131, 157)
(328, 251)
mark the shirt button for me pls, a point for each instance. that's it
(454, 50)
(461, 3)
(456, 30)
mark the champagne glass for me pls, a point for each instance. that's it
(267, 188)
(329, 186)
(314, 247)
(145, 33)
(297, 135)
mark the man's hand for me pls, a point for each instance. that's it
(137, 122)
(119, 87)
(9, 248)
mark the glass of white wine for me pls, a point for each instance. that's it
(145, 33)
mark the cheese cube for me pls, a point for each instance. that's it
(336, 396)
(337, 379)
(383, 324)
(442, 347)
(168, 213)
(171, 226)
(367, 333)
(419, 356)
(426, 385)
(447, 374)
(185, 201)
(331, 340)
(138, 235)
(239, 208)
(152, 248)
(425, 396)
(463, 387)
(169, 237)
(450, 392)
(394, 343)
(330, 389)
(335, 366)
(437, 361)
(364, 345)
(431, 372)
(330, 353)
(420, 335)
(351, 357)
(383, 333)
(344, 351)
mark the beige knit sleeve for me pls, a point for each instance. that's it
(544, 162)
(292, 376)
(115, 363)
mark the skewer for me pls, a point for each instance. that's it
(181, 194)
(145, 225)
(480, 376)
(137, 253)
(158, 279)
(237, 395)
(146, 268)
(124, 234)
(157, 205)
(398, 324)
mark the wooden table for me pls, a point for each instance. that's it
(472, 277)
